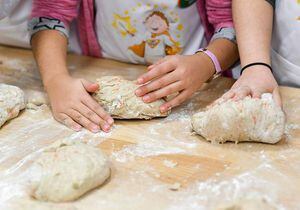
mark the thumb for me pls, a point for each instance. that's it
(277, 97)
(89, 86)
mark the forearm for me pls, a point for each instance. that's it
(226, 51)
(253, 23)
(50, 50)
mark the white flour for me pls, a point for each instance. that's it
(250, 171)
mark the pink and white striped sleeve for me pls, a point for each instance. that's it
(53, 15)
(219, 13)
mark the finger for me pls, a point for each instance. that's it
(175, 101)
(82, 120)
(89, 86)
(228, 95)
(157, 71)
(89, 114)
(218, 101)
(94, 106)
(67, 121)
(241, 93)
(225, 97)
(277, 97)
(160, 61)
(156, 84)
(165, 91)
(256, 94)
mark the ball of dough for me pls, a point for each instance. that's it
(69, 171)
(248, 204)
(12, 100)
(250, 119)
(117, 96)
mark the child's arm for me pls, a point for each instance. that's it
(186, 74)
(70, 101)
(253, 23)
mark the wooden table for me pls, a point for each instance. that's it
(157, 164)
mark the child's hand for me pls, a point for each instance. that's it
(178, 73)
(254, 81)
(73, 106)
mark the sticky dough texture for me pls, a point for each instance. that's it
(248, 204)
(250, 119)
(69, 171)
(116, 95)
(12, 101)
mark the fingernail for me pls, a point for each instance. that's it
(110, 121)
(106, 127)
(138, 92)
(140, 80)
(146, 98)
(77, 128)
(165, 109)
(95, 128)
(162, 110)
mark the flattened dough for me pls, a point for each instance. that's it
(12, 100)
(250, 119)
(117, 97)
(248, 204)
(69, 171)
(35, 97)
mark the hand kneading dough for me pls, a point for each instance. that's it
(12, 100)
(116, 95)
(250, 119)
(69, 171)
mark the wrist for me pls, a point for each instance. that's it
(206, 64)
(49, 80)
(258, 69)
(256, 64)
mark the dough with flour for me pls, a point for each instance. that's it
(12, 100)
(116, 95)
(35, 97)
(250, 119)
(69, 171)
(248, 204)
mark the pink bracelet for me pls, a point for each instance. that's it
(213, 59)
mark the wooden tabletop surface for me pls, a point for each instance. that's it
(156, 164)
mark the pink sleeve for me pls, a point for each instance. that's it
(219, 13)
(63, 10)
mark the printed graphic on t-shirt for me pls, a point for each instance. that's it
(157, 38)
(143, 32)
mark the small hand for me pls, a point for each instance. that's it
(174, 74)
(73, 106)
(253, 82)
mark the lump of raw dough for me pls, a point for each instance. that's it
(116, 95)
(69, 171)
(250, 119)
(35, 97)
(12, 100)
(248, 204)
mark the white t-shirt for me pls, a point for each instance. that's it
(286, 43)
(13, 23)
(131, 31)
(14, 15)
(145, 31)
